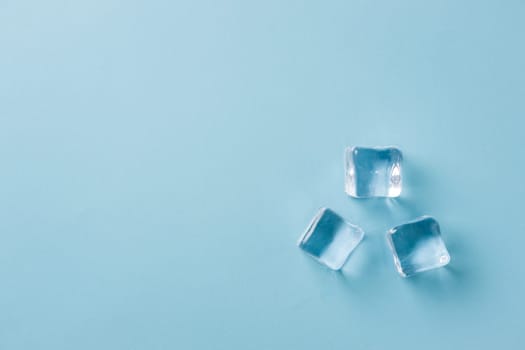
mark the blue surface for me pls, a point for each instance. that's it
(160, 160)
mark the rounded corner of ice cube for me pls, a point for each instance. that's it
(393, 149)
(335, 267)
(396, 149)
(444, 259)
(360, 233)
(431, 221)
(402, 273)
(393, 230)
(350, 192)
(399, 268)
(350, 149)
(322, 210)
(394, 192)
(327, 211)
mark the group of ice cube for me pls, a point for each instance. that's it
(375, 172)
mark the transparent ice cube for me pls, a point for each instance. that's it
(373, 172)
(417, 246)
(330, 239)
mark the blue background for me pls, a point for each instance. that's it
(160, 159)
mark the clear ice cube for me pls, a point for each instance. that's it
(417, 246)
(330, 239)
(373, 172)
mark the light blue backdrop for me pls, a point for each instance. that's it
(159, 160)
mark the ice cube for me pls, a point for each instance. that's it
(373, 172)
(417, 246)
(330, 239)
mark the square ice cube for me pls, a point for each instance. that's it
(417, 246)
(330, 239)
(373, 172)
